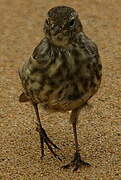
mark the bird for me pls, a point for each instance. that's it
(62, 74)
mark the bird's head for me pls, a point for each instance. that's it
(61, 25)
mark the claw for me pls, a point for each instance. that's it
(45, 139)
(66, 166)
(76, 162)
(54, 145)
(58, 158)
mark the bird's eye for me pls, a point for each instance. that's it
(72, 22)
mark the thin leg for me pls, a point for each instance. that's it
(43, 136)
(77, 162)
(74, 117)
(39, 129)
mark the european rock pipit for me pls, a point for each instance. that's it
(62, 74)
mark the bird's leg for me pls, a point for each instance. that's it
(77, 162)
(43, 136)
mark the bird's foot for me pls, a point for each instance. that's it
(77, 162)
(45, 139)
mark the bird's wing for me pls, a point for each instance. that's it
(38, 62)
(90, 46)
(41, 52)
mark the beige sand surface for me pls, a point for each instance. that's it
(99, 128)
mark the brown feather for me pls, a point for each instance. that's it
(23, 98)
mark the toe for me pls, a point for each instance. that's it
(65, 166)
(85, 163)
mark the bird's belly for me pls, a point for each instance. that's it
(66, 97)
(65, 104)
(63, 87)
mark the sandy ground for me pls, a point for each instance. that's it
(99, 128)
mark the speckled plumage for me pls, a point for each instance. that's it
(62, 78)
(65, 70)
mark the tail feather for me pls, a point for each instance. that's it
(23, 98)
